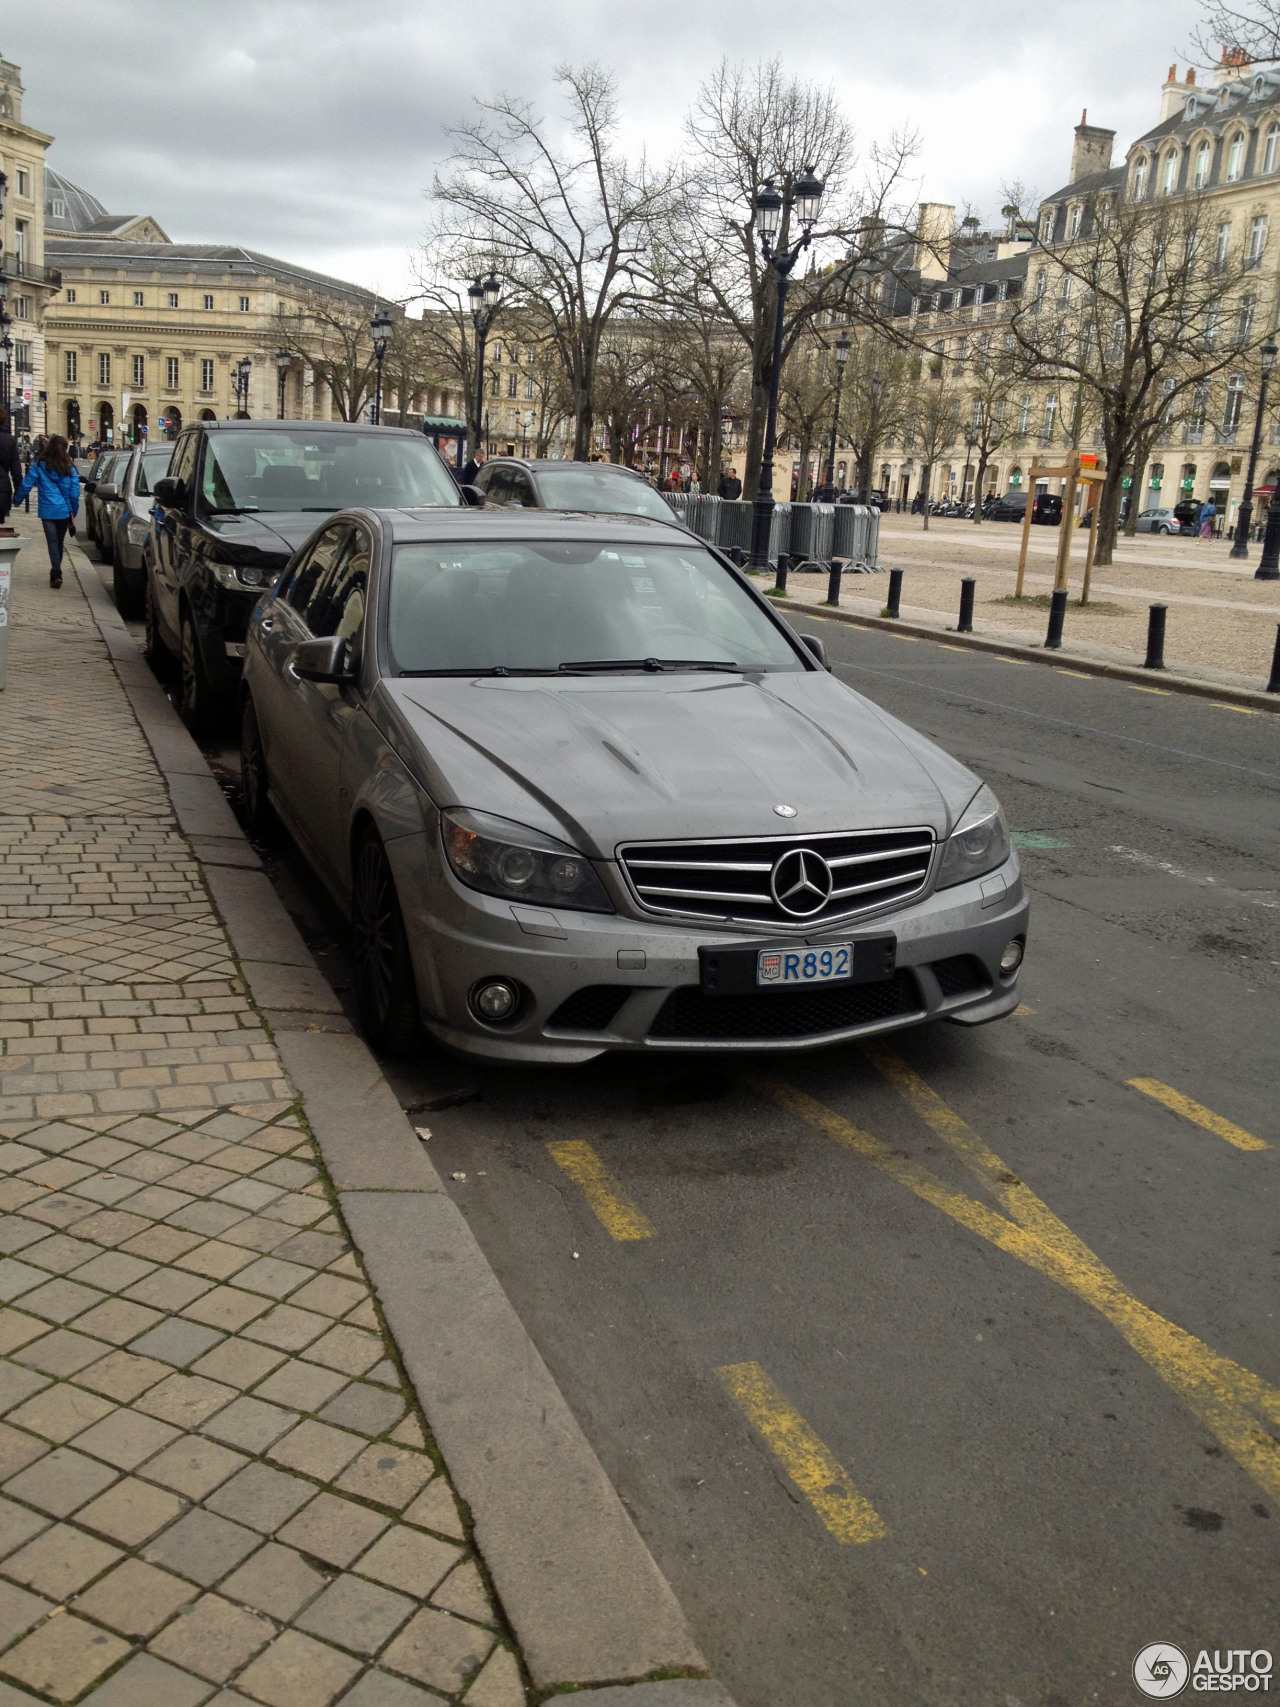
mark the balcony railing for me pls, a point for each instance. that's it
(1193, 434)
(18, 267)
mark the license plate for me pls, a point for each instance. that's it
(830, 965)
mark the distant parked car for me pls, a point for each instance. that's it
(595, 488)
(1013, 508)
(239, 499)
(101, 488)
(130, 517)
(1161, 521)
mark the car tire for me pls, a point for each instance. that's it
(386, 997)
(154, 649)
(106, 547)
(260, 819)
(195, 699)
(128, 593)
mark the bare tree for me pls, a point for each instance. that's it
(1246, 34)
(564, 217)
(331, 335)
(991, 422)
(879, 388)
(805, 399)
(934, 418)
(1139, 312)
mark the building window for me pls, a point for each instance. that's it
(1046, 225)
(24, 182)
(71, 295)
(1050, 416)
(244, 305)
(1257, 239)
(137, 299)
(1223, 248)
(1211, 316)
(1073, 221)
(206, 376)
(1024, 412)
(139, 370)
(1170, 182)
(1064, 290)
(495, 384)
(1271, 149)
(57, 208)
(22, 308)
(208, 302)
(1244, 322)
(70, 364)
(104, 370)
(511, 385)
(1204, 154)
(173, 299)
(1231, 407)
(104, 298)
(1139, 180)
(496, 350)
(171, 377)
(1235, 157)
(528, 387)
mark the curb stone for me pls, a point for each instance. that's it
(584, 1597)
(1254, 699)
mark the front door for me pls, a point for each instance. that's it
(172, 535)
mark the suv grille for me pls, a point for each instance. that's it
(688, 1015)
(781, 879)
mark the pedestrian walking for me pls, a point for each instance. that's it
(57, 484)
(470, 468)
(10, 466)
(1208, 515)
(730, 485)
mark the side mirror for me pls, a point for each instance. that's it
(170, 492)
(473, 497)
(325, 660)
(107, 490)
(89, 485)
(818, 648)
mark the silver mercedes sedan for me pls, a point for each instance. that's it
(580, 788)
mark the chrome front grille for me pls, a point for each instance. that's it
(780, 880)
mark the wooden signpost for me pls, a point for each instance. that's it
(1076, 469)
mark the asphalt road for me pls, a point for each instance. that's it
(944, 1374)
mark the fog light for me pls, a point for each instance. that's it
(1011, 959)
(494, 1000)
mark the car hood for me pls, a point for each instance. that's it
(275, 534)
(600, 760)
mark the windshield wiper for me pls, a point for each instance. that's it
(482, 670)
(653, 666)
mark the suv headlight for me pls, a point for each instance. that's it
(240, 577)
(978, 844)
(519, 864)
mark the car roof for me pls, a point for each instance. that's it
(503, 524)
(561, 463)
(303, 426)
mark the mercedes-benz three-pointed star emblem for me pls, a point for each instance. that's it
(801, 882)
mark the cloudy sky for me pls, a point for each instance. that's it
(311, 128)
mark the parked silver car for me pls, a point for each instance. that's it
(1160, 521)
(544, 483)
(101, 487)
(580, 789)
(130, 521)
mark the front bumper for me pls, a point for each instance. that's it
(636, 981)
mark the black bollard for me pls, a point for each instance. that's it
(895, 592)
(738, 555)
(1057, 610)
(1273, 686)
(965, 625)
(784, 565)
(1154, 659)
(833, 585)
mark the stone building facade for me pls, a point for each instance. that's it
(29, 280)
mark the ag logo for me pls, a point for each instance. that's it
(1161, 1671)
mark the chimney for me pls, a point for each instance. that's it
(1173, 95)
(1191, 76)
(1092, 151)
(934, 228)
(1233, 66)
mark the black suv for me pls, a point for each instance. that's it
(239, 499)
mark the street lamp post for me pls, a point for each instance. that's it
(843, 346)
(1244, 516)
(284, 361)
(483, 295)
(806, 200)
(380, 326)
(243, 368)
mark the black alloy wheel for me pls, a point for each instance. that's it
(196, 698)
(258, 815)
(386, 998)
(154, 649)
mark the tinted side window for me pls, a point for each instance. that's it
(313, 565)
(337, 605)
(498, 490)
(183, 464)
(522, 489)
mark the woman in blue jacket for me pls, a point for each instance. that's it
(54, 476)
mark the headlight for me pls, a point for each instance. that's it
(137, 528)
(519, 864)
(978, 844)
(240, 576)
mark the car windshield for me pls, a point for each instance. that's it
(155, 465)
(596, 486)
(322, 471)
(541, 605)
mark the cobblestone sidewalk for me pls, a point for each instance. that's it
(213, 1483)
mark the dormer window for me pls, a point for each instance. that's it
(1046, 225)
(1140, 180)
(1235, 157)
(1169, 182)
(1073, 221)
(57, 208)
(1191, 109)
(1204, 155)
(1271, 149)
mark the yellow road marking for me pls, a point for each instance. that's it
(947, 647)
(823, 1482)
(1244, 710)
(1135, 688)
(1080, 675)
(1022, 663)
(1227, 1398)
(614, 1210)
(1199, 1114)
(1022, 1008)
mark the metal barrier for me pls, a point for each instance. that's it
(704, 517)
(812, 534)
(681, 504)
(856, 533)
(735, 524)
